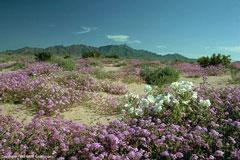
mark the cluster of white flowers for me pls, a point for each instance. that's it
(158, 106)
(147, 89)
(204, 103)
(194, 95)
(185, 88)
(132, 95)
(135, 111)
(136, 105)
(182, 87)
(165, 97)
(133, 99)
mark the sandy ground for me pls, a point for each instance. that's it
(18, 111)
(87, 116)
(107, 69)
(78, 114)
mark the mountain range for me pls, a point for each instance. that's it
(120, 50)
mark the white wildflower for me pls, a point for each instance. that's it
(175, 101)
(186, 102)
(159, 97)
(158, 106)
(182, 87)
(147, 88)
(138, 111)
(131, 110)
(194, 95)
(174, 85)
(151, 98)
(205, 103)
(127, 105)
(167, 98)
(144, 103)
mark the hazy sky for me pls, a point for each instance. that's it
(190, 27)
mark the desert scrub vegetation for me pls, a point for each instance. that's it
(114, 56)
(177, 121)
(214, 60)
(12, 66)
(132, 79)
(184, 123)
(63, 62)
(101, 74)
(196, 70)
(67, 64)
(159, 76)
(235, 75)
(43, 56)
(91, 54)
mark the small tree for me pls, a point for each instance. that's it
(159, 76)
(43, 56)
(204, 61)
(226, 60)
(214, 60)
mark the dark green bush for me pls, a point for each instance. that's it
(218, 59)
(43, 56)
(159, 76)
(112, 56)
(91, 54)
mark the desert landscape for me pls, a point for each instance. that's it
(92, 106)
(119, 80)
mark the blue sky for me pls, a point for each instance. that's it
(191, 27)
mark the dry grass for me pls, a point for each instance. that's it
(215, 81)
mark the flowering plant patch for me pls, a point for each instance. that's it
(181, 103)
(195, 70)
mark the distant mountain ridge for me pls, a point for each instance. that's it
(120, 50)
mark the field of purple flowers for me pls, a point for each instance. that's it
(180, 121)
(195, 70)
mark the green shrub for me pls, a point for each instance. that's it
(214, 60)
(67, 64)
(91, 54)
(235, 75)
(43, 56)
(159, 76)
(112, 56)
